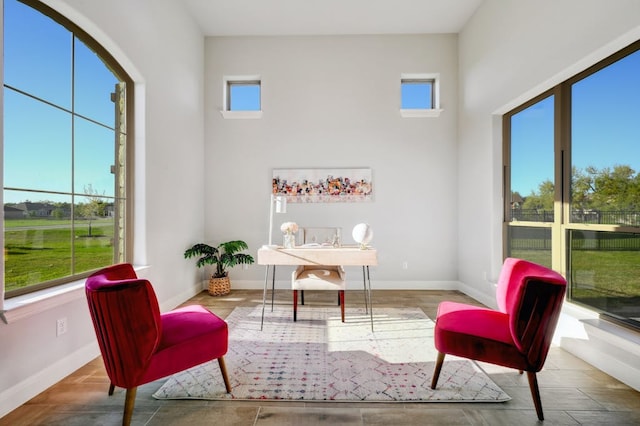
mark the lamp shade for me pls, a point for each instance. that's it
(362, 234)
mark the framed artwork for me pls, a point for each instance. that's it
(348, 185)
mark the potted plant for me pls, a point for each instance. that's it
(226, 255)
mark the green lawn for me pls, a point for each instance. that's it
(40, 250)
(596, 273)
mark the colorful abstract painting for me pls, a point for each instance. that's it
(323, 185)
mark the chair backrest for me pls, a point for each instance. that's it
(532, 296)
(126, 318)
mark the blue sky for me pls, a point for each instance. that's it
(605, 127)
(245, 97)
(37, 136)
(416, 95)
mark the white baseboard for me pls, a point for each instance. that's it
(485, 299)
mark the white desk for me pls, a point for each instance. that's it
(271, 256)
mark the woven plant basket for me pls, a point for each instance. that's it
(219, 286)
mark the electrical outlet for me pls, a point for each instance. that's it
(61, 326)
(405, 265)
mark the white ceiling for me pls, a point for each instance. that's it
(330, 17)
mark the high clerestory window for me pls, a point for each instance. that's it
(572, 184)
(66, 103)
(242, 97)
(419, 95)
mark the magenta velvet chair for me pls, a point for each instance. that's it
(517, 335)
(138, 343)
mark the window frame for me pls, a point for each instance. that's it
(562, 225)
(125, 245)
(239, 80)
(431, 78)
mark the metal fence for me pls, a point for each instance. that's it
(523, 238)
(614, 217)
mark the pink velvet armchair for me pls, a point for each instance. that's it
(517, 335)
(138, 343)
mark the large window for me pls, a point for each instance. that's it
(65, 151)
(572, 162)
(531, 203)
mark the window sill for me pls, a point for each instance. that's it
(241, 114)
(615, 334)
(24, 306)
(27, 305)
(420, 113)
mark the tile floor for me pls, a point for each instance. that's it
(573, 392)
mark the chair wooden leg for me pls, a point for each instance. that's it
(129, 402)
(111, 388)
(295, 305)
(535, 393)
(223, 370)
(437, 369)
(341, 297)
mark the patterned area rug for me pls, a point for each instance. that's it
(319, 358)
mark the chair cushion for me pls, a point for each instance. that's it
(191, 335)
(476, 333)
(318, 279)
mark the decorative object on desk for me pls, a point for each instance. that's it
(362, 234)
(329, 360)
(323, 185)
(325, 236)
(289, 238)
(280, 202)
(225, 255)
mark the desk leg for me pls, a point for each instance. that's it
(273, 286)
(366, 296)
(264, 293)
(370, 300)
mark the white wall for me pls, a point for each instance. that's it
(162, 48)
(332, 102)
(510, 52)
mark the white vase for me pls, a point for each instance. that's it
(289, 240)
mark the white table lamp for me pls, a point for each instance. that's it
(280, 202)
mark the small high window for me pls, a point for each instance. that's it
(419, 95)
(242, 97)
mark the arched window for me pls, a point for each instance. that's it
(66, 149)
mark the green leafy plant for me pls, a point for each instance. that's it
(224, 256)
